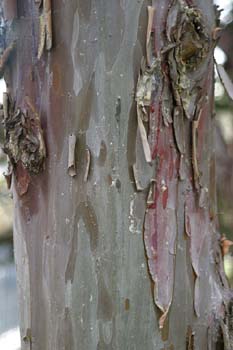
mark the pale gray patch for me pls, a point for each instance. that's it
(97, 125)
(68, 294)
(124, 4)
(107, 330)
(84, 290)
(78, 81)
(23, 281)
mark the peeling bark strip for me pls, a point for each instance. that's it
(151, 193)
(190, 339)
(45, 40)
(27, 338)
(88, 164)
(145, 144)
(71, 156)
(196, 171)
(197, 228)
(137, 178)
(180, 64)
(167, 103)
(145, 87)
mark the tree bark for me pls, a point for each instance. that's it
(100, 264)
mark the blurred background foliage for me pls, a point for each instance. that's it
(6, 204)
(224, 134)
(224, 129)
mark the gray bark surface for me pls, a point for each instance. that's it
(82, 269)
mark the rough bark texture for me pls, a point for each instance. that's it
(85, 275)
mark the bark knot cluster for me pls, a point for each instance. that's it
(23, 136)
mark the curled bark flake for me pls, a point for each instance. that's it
(196, 172)
(149, 55)
(24, 137)
(143, 171)
(45, 40)
(225, 79)
(145, 86)
(27, 338)
(48, 21)
(118, 109)
(88, 164)
(178, 123)
(145, 143)
(163, 318)
(203, 197)
(174, 76)
(71, 156)
(42, 37)
(137, 178)
(151, 193)
(187, 221)
(190, 339)
(216, 33)
(167, 103)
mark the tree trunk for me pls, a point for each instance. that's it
(115, 233)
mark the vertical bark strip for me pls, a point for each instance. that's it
(80, 250)
(184, 46)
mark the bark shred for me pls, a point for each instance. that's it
(176, 109)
